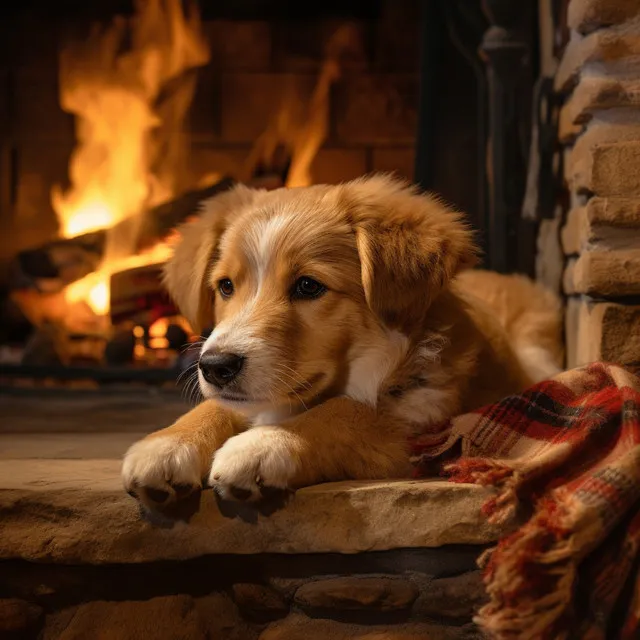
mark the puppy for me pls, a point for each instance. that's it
(341, 328)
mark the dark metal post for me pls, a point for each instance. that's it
(433, 27)
(505, 52)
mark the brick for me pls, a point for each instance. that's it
(378, 108)
(207, 161)
(398, 161)
(585, 230)
(302, 46)
(603, 331)
(39, 167)
(596, 93)
(19, 619)
(605, 160)
(457, 597)
(239, 45)
(616, 170)
(356, 593)
(619, 212)
(6, 125)
(397, 38)
(614, 48)
(299, 627)
(259, 603)
(588, 15)
(251, 101)
(36, 108)
(604, 273)
(332, 166)
(203, 117)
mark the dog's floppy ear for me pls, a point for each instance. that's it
(187, 271)
(410, 246)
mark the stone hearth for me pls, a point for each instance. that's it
(341, 560)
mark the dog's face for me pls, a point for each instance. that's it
(312, 292)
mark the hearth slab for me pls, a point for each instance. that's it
(75, 511)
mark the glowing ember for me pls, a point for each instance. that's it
(94, 289)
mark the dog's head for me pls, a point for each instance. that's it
(312, 292)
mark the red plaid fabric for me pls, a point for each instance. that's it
(565, 459)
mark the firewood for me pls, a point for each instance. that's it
(57, 264)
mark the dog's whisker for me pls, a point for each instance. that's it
(188, 371)
(292, 391)
(294, 376)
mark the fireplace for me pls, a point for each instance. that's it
(119, 118)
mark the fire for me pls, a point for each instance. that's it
(129, 87)
(94, 289)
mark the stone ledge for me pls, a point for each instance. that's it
(75, 511)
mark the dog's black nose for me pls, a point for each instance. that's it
(220, 368)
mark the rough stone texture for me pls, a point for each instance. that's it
(606, 46)
(457, 597)
(595, 93)
(377, 108)
(259, 602)
(584, 230)
(379, 594)
(603, 331)
(605, 273)
(179, 617)
(600, 126)
(588, 15)
(302, 628)
(624, 212)
(19, 619)
(605, 159)
(76, 511)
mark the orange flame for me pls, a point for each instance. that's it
(129, 87)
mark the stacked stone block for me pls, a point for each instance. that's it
(600, 129)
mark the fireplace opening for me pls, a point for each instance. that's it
(118, 118)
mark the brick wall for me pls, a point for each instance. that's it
(373, 108)
(600, 130)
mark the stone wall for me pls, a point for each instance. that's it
(600, 129)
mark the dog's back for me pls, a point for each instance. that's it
(530, 314)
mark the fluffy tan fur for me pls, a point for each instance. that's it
(403, 338)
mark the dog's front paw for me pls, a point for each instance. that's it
(161, 470)
(253, 464)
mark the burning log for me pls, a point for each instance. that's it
(137, 296)
(57, 264)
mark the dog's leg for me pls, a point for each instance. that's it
(339, 439)
(171, 463)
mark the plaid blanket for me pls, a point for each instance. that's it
(565, 459)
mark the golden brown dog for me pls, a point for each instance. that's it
(343, 325)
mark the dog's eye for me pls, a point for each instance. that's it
(306, 287)
(225, 287)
